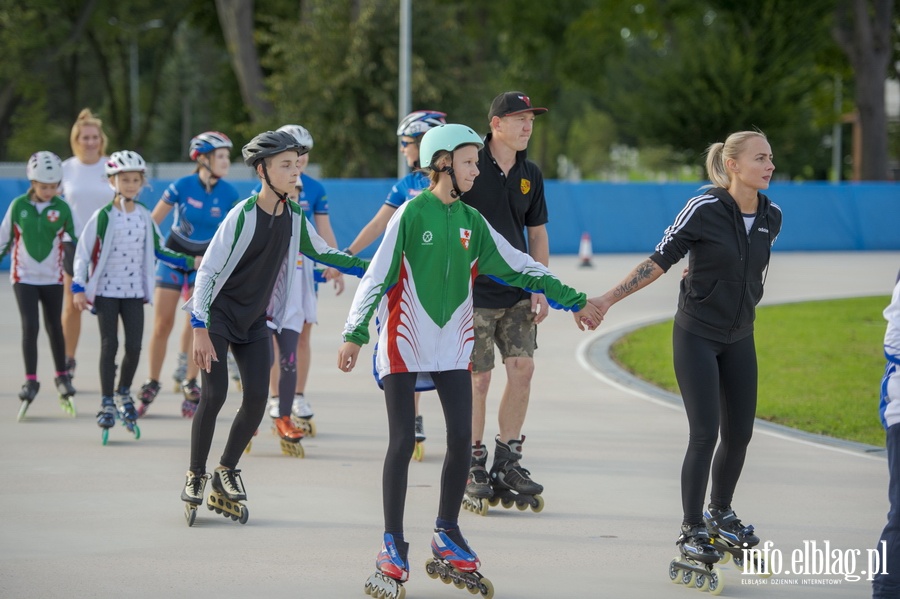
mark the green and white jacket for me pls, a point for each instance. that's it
(92, 253)
(231, 241)
(425, 268)
(34, 240)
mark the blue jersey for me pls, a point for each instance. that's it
(407, 188)
(198, 213)
(313, 198)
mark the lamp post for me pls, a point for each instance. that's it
(133, 80)
(405, 95)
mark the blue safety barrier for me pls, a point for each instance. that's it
(631, 217)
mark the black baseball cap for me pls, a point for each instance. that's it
(509, 103)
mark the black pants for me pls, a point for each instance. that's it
(718, 384)
(287, 362)
(109, 310)
(454, 387)
(254, 360)
(50, 297)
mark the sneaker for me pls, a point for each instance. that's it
(274, 407)
(301, 408)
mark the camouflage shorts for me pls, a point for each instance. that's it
(512, 329)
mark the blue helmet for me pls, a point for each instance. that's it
(207, 142)
(419, 122)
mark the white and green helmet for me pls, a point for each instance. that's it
(446, 137)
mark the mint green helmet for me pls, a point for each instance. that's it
(446, 137)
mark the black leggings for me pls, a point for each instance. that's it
(50, 297)
(253, 360)
(718, 384)
(287, 361)
(108, 310)
(454, 387)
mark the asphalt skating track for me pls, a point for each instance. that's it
(81, 520)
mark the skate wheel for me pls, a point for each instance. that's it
(738, 561)
(701, 582)
(486, 588)
(716, 584)
(483, 510)
(687, 577)
(493, 501)
(245, 515)
(137, 432)
(507, 503)
(674, 571)
(521, 505)
(726, 557)
(22, 409)
(538, 506)
(419, 452)
(431, 568)
(104, 436)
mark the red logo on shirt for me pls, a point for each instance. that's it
(53, 215)
(464, 236)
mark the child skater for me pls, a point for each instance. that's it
(114, 268)
(424, 269)
(32, 231)
(245, 281)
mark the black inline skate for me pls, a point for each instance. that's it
(192, 495)
(106, 417)
(511, 483)
(732, 538)
(695, 565)
(27, 394)
(455, 562)
(478, 486)
(66, 393)
(227, 494)
(127, 412)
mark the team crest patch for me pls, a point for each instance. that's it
(464, 236)
(525, 186)
(427, 237)
(53, 215)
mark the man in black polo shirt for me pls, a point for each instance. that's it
(509, 192)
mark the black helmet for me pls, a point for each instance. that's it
(270, 143)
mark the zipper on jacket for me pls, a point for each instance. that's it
(443, 291)
(746, 246)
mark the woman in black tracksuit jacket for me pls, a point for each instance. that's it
(729, 232)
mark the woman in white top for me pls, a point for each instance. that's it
(85, 189)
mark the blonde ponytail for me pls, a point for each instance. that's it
(718, 153)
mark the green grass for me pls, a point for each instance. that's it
(820, 365)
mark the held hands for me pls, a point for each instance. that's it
(204, 352)
(539, 307)
(79, 300)
(592, 314)
(347, 355)
(333, 274)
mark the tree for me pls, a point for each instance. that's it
(863, 30)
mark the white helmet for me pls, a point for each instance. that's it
(125, 161)
(44, 167)
(300, 134)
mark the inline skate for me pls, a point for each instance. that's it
(227, 494)
(730, 537)
(454, 561)
(289, 435)
(419, 451)
(695, 564)
(149, 391)
(106, 417)
(180, 371)
(478, 487)
(301, 414)
(127, 413)
(274, 407)
(192, 495)
(66, 393)
(70, 366)
(392, 570)
(191, 391)
(27, 394)
(510, 482)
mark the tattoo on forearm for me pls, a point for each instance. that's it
(644, 271)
